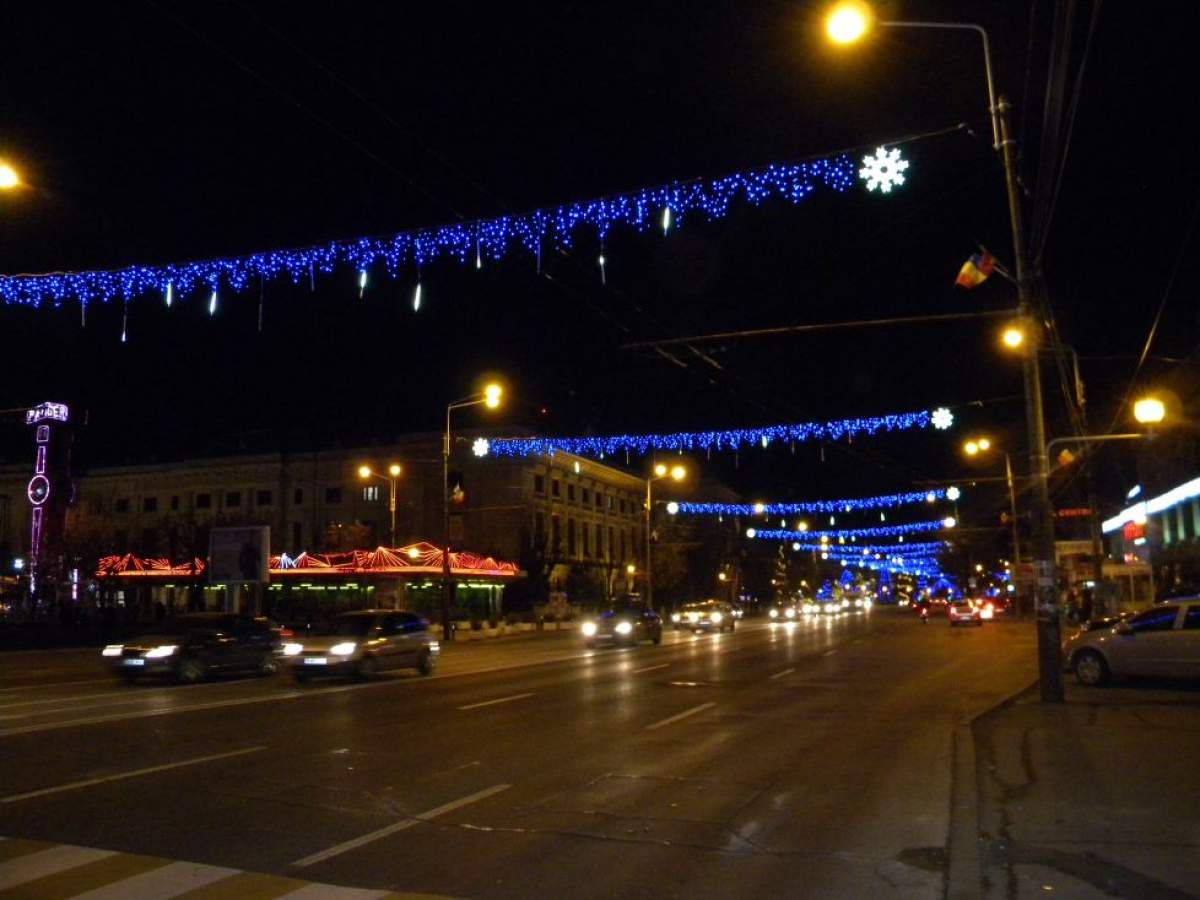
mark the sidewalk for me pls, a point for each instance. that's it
(1098, 797)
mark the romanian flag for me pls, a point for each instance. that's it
(975, 271)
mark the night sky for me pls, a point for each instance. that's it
(161, 131)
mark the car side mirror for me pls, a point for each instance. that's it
(1123, 628)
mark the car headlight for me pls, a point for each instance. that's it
(624, 628)
(790, 613)
(113, 650)
(589, 629)
(715, 618)
(773, 613)
(845, 604)
(343, 649)
(693, 617)
(292, 649)
(674, 617)
(161, 651)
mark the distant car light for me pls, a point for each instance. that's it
(774, 613)
(790, 613)
(675, 617)
(624, 628)
(589, 629)
(113, 650)
(343, 649)
(292, 649)
(161, 651)
(715, 618)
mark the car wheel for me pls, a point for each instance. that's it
(1090, 668)
(425, 663)
(368, 668)
(190, 671)
(267, 665)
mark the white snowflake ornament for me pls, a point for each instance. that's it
(942, 418)
(481, 447)
(884, 170)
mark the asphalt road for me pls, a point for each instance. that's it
(805, 761)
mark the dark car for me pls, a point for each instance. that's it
(626, 622)
(193, 646)
(364, 643)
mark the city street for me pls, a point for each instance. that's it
(813, 759)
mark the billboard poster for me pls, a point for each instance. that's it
(239, 555)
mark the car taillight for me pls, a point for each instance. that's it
(286, 632)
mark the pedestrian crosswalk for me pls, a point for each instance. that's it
(38, 870)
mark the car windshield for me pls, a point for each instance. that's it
(622, 609)
(353, 626)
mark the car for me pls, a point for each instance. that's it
(960, 612)
(363, 643)
(1162, 641)
(191, 647)
(704, 615)
(810, 608)
(627, 622)
(782, 612)
(861, 604)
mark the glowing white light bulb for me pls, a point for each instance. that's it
(417, 298)
(362, 282)
(212, 304)
(170, 296)
(666, 219)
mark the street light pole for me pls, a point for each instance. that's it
(489, 397)
(393, 474)
(649, 568)
(1012, 507)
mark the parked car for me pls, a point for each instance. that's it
(193, 646)
(628, 621)
(1163, 641)
(362, 644)
(704, 615)
(963, 612)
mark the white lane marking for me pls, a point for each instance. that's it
(683, 715)
(47, 862)
(162, 883)
(333, 892)
(650, 668)
(830, 652)
(494, 702)
(339, 849)
(781, 674)
(131, 695)
(121, 776)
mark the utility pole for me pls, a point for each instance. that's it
(1049, 637)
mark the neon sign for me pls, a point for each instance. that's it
(43, 411)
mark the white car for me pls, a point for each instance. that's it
(1163, 641)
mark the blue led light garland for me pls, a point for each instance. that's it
(777, 534)
(488, 238)
(883, 501)
(734, 439)
(916, 548)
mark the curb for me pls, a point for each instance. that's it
(964, 874)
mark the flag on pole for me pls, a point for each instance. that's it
(975, 271)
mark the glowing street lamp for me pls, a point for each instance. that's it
(1013, 337)
(847, 22)
(9, 178)
(1149, 410)
(661, 470)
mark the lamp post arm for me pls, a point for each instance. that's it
(987, 62)
(1096, 439)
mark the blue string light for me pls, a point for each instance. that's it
(779, 534)
(883, 501)
(916, 548)
(490, 238)
(735, 439)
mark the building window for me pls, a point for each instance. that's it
(539, 531)
(333, 495)
(370, 493)
(622, 506)
(611, 544)
(555, 488)
(587, 542)
(121, 505)
(570, 537)
(263, 498)
(233, 498)
(599, 500)
(298, 496)
(203, 501)
(539, 484)
(174, 503)
(149, 504)
(570, 493)
(555, 535)
(586, 497)
(297, 536)
(622, 534)
(610, 503)
(599, 541)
